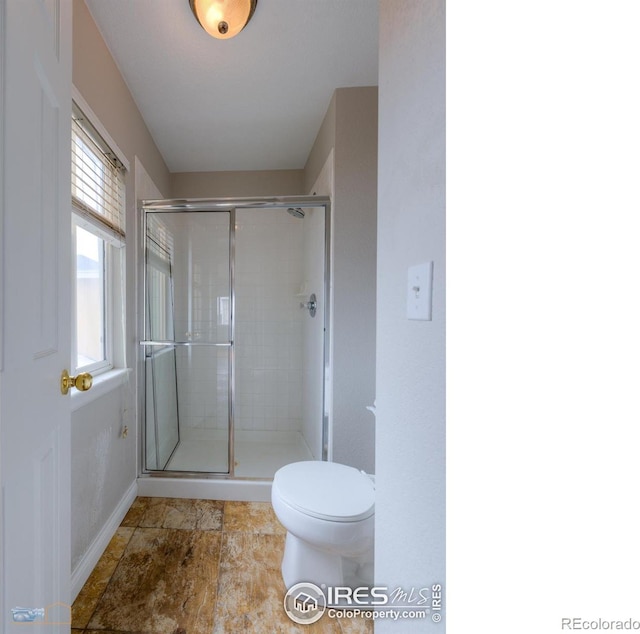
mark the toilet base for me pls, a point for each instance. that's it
(358, 572)
(302, 562)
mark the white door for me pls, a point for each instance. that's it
(35, 336)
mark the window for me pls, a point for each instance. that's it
(97, 192)
(91, 336)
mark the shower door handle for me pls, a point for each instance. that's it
(311, 305)
(195, 344)
(190, 344)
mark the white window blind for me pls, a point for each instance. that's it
(97, 180)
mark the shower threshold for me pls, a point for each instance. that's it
(258, 454)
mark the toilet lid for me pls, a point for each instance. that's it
(326, 490)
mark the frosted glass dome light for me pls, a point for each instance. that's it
(223, 18)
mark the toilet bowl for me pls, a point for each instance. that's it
(328, 511)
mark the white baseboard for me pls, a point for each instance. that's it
(88, 562)
(237, 490)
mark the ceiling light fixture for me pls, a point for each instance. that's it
(223, 18)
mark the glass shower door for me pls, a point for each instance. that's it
(188, 341)
(162, 430)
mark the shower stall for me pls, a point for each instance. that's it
(235, 344)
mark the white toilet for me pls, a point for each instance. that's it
(328, 511)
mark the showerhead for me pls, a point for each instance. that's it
(296, 213)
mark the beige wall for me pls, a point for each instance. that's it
(350, 128)
(99, 81)
(238, 184)
(103, 461)
(324, 143)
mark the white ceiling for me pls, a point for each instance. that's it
(249, 103)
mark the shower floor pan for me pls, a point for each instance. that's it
(258, 454)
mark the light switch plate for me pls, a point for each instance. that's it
(419, 291)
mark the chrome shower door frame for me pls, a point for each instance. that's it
(230, 205)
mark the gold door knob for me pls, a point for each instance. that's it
(82, 382)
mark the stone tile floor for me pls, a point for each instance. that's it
(180, 566)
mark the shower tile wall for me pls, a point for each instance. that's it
(269, 274)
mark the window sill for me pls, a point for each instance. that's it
(102, 384)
